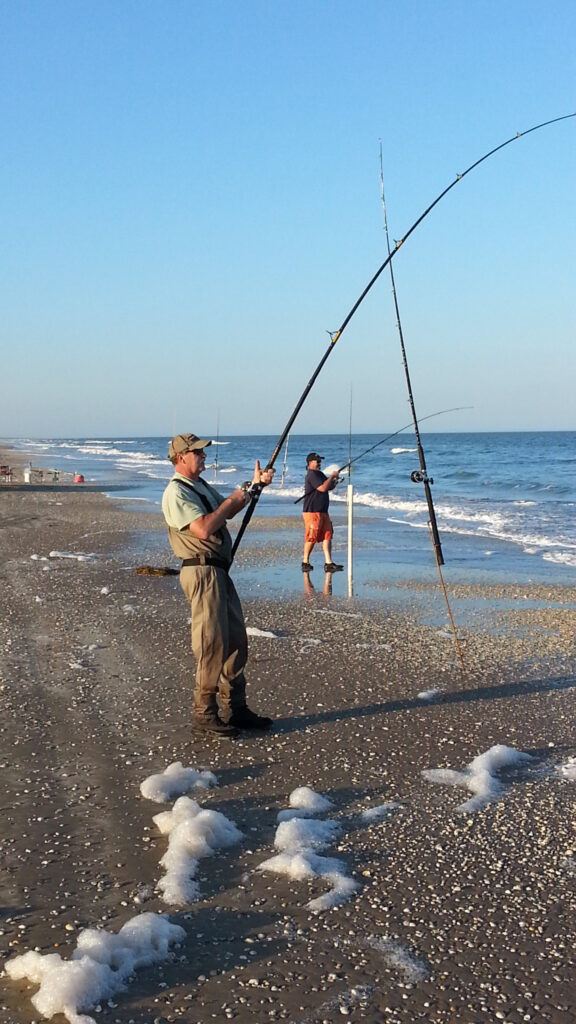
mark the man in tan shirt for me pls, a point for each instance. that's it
(196, 516)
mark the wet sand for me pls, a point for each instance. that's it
(96, 692)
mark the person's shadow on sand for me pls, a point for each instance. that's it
(502, 692)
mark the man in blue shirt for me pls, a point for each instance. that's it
(317, 523)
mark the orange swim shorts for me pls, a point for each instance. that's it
(317, 527)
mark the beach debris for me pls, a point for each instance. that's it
(299, 839)
(79, 556)
(412, 968)
(254, 631)
(193, 833)
(175, 781)
(478, 777)
(100, 966)
(339, 615)
(155, 570)
(429, 694)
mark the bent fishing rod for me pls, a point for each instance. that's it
(456, 408)
(336, 335)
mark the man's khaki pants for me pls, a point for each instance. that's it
(219, 639)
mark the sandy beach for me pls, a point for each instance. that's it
(458, 915)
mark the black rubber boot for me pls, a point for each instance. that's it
(246, 719)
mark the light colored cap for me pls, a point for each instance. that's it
(183, 443)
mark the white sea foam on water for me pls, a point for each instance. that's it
(100, 966)
(560, 557)
(286, 492)
(402, 451)
(174, 781)
(413, 968)
(478, 777)
(462, 521)
(193, 833)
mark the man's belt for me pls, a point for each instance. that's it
(217, 563)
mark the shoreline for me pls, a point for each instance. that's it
(96, 695)
(390, 542)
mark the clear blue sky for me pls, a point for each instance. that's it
(190, 199)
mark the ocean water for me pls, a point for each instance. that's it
(506, 502)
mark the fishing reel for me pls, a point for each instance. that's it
(418, 477)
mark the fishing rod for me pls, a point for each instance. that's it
(456, 408)
(336, 335)
(419, 475)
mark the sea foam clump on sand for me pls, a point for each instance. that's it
(174, 781)
(99, 967)
(304, 803)
(478, 777)
(377, 813)
(299, 839)
(193, 833)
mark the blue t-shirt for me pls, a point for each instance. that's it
(314, 500)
